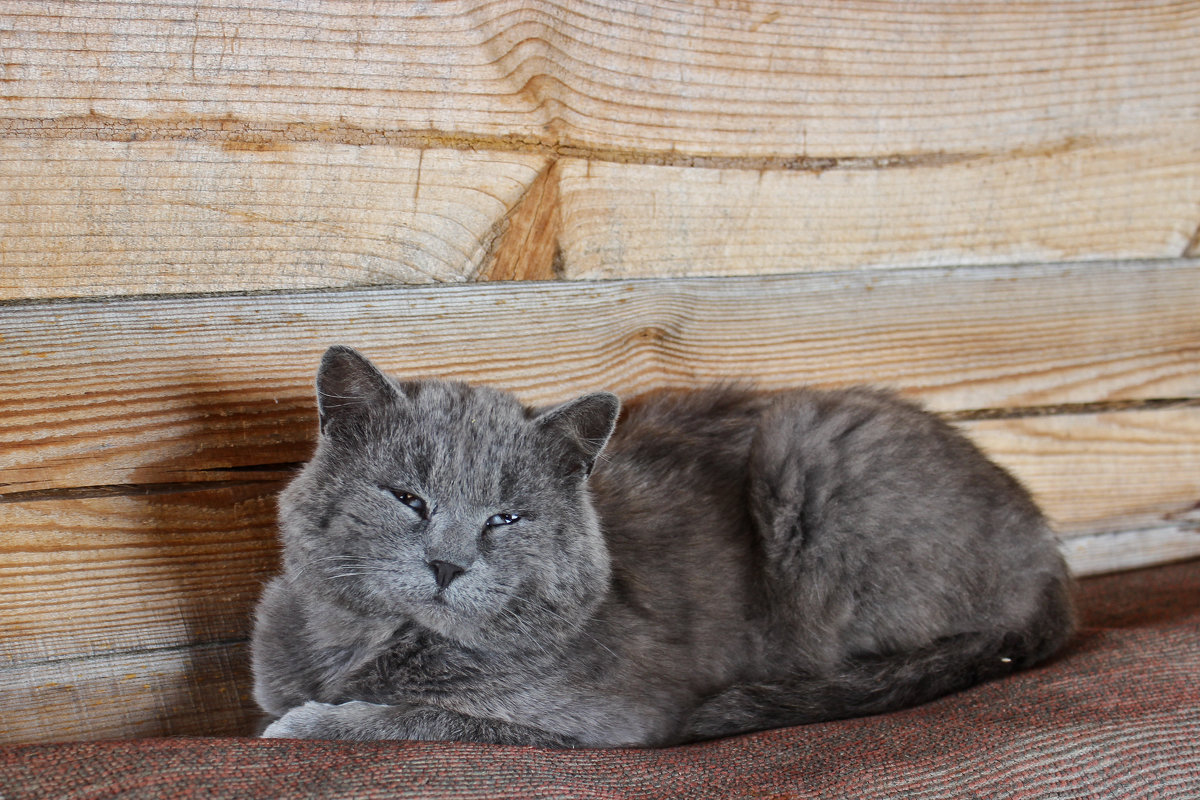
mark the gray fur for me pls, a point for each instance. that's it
(723, 561)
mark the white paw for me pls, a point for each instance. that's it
(315, 720)
(299, 723)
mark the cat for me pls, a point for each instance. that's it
(715, 562)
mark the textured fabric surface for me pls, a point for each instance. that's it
(1117, 716)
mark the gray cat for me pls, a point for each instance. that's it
(458, 566)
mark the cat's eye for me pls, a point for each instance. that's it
(496, 520)
(411, 500)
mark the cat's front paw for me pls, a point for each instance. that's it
(315, 720)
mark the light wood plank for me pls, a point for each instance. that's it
(102, 218)
(1090, 202)
(159, 391)
(1104, 472)
(632, 79)
(192, 691)
(219, 147)
(82, 577)
(1114, 551)
(88, 576)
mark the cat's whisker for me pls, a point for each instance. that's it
(523, 628)
(572, 626)
(578, 629)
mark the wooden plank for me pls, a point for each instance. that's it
(87, 218)
(161, 391)
(152, 147)
(1113, 551)
(193, 691)
(1082, 202)
(1104, 472)
(101, 218)
(629, 80)
(88, 576)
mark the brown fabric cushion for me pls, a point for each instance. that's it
(1118, 716)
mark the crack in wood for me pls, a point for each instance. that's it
(182, 647)
(260, 135)
(1068, 409)
(1192, 250)
(524, 242)
(281, 466)
(135, 489)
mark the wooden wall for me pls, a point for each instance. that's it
(994, 207)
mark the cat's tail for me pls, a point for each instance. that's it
(877, 684)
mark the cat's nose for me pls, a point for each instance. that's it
(445, 572)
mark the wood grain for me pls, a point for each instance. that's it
(81, 577)
(1104, 472)
(192, 691)
(160, 390)
(529, 247)
(218, 147)
(628, 79)
(98, 218)
(1081, 202)
(89, 218)
(1114, 551)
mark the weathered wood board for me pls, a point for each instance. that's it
(213, 146)
(1093, 201)
(1121, 470)
(134, 571)
(634, 79)
(102, 218)
(98, 218)
(190, 691)
(162, 390)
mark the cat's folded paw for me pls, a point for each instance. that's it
(315, 720)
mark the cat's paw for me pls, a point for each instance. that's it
(315, 720)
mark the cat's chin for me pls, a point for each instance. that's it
(442, 616)
(449, 625)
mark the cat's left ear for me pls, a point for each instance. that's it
(579, 429)
(348, 387)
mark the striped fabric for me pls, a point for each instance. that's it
(1118, 716)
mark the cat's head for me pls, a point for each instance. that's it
(449, 505)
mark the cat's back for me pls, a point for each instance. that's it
(671, 428)
(669, 491)
(677, 459)
(841, 501)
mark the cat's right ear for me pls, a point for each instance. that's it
(580, 428)
(348, 386)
